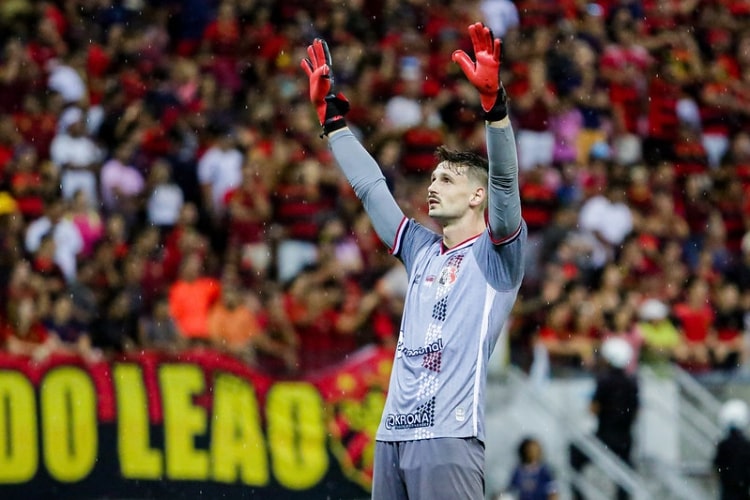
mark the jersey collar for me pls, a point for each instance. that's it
(463, 244)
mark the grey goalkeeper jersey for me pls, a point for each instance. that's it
(457, 298)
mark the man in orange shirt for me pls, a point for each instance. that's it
(232, 325)
(190, 299)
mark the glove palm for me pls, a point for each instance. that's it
(484, 73)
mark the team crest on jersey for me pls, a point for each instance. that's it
(448, 276)
(449, 273)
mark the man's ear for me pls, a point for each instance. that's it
(478, 197)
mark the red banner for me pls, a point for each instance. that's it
(200, 422)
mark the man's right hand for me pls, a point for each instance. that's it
(331, 107)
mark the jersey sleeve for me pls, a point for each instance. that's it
(502, 264)
(410, 239)
(504, 207)
(368, 182)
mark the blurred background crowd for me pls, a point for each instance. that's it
(163, 184)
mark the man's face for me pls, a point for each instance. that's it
(450, 192)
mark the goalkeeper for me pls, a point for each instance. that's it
(463, 282)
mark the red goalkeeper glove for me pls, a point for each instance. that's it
(484, 74)
(331, 107)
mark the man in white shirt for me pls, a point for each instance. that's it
(166, 198)
(65, 234)
(65, 80)
(606, 220)
(77, 157)
(219, 171)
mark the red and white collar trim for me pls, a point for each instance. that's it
(463, 244)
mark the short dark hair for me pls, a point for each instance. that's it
(466, 158)
(477, 167)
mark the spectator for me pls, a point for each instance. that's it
(88, 220)
(232, 324)
(108, 273)
(24, 333)
(250, 210)
(84, 294)
(696, 207)
(77, 158)
(158, 330)
(716, 101)
(624, 64)
(302, 200)
(190, 299)
(36, 123)
(606, 220)
(662, 220)
(164, 197)
(181, 240)
(566, 125)
(591, 98)
(44, 265)
(337, 245)
(404, 109)
(67, 240)
(65, 77)
(18, 75)
(539, 207)
(219, 171)
(694, 317)
(566, 348)
(122, 185)
(117, 328)
(68, 333)
(661, 338)
(313, 303)
(732, 454)
(278, 326)
(615, 404)
(26, 184)
(729, 351)
(532, 478)
(148, 251)
(533, 109)
(235, 327)
(608, 296)
(621, 324)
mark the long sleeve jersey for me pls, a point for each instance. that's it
(457, 300)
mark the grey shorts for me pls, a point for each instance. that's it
(429, 469)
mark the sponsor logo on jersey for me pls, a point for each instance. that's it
(422, 416)
(436, 346)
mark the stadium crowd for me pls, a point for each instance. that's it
(163, 184)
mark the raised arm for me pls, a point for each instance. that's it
(504, 209)
(359, 167)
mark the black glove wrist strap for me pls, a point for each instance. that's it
(500, 109)
(336, 108)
